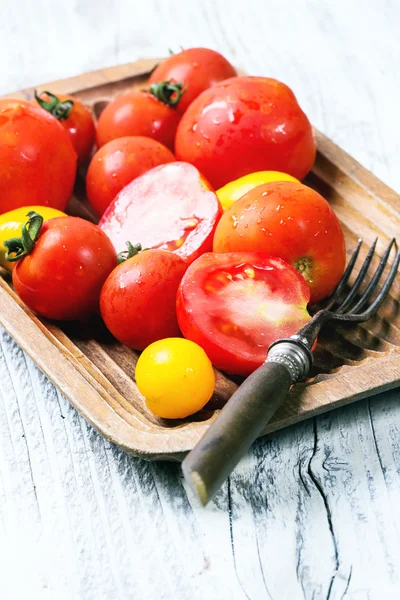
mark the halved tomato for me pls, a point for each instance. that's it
(170, 207)
(235, 305)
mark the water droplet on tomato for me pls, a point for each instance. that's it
(281, 128)
(78, 270)
(234, 222)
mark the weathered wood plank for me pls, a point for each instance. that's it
(84, 520)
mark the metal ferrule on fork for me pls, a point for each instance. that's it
(293, 355)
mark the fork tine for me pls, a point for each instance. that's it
(384, 291)
(339, 288)
(374, 281)
(360, 278)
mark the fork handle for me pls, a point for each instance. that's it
(242, 420)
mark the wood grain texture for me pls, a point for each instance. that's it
(313, 510)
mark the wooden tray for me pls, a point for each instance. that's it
(96, 373)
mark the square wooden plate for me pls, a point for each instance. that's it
(96, 373)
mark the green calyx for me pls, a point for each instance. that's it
(60, 109)
(19, 247)
(167, 92)
(131, 251)
(304, 266)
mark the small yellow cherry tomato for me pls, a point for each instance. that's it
(234, 190)
(11, 226)
(176, 377)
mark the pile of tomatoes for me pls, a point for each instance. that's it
(205, 230)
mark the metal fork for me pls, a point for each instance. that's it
(289, 360)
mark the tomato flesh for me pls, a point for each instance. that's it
(235, 305)
(170, 207)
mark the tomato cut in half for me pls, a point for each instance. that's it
(170, 207)
(235, 305)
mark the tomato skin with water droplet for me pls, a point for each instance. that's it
(243, 125)
(170, 207)
(291, 221)
(137, 113)
(62, 277)
(79, 125)
(176, 378)
(138, 299)
(235, 305)
(37, 158)
(197, 68)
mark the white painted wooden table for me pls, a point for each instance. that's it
(313, 511)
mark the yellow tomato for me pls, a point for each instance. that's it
(11, 226)
(234, 190)
(176, 377)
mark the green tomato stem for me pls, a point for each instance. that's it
(167, 92)
(59, 109)
(20, 247)
(131, 251)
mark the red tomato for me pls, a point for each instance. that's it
(197, 68)
(138, 299)
(119, 162)
(235, 305)
(62, 276)
(138, 113)
(37, 158)
(292, 221)
(170, 207)
(244, 125)
(75, 118)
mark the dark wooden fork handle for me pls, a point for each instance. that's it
(240, 422)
